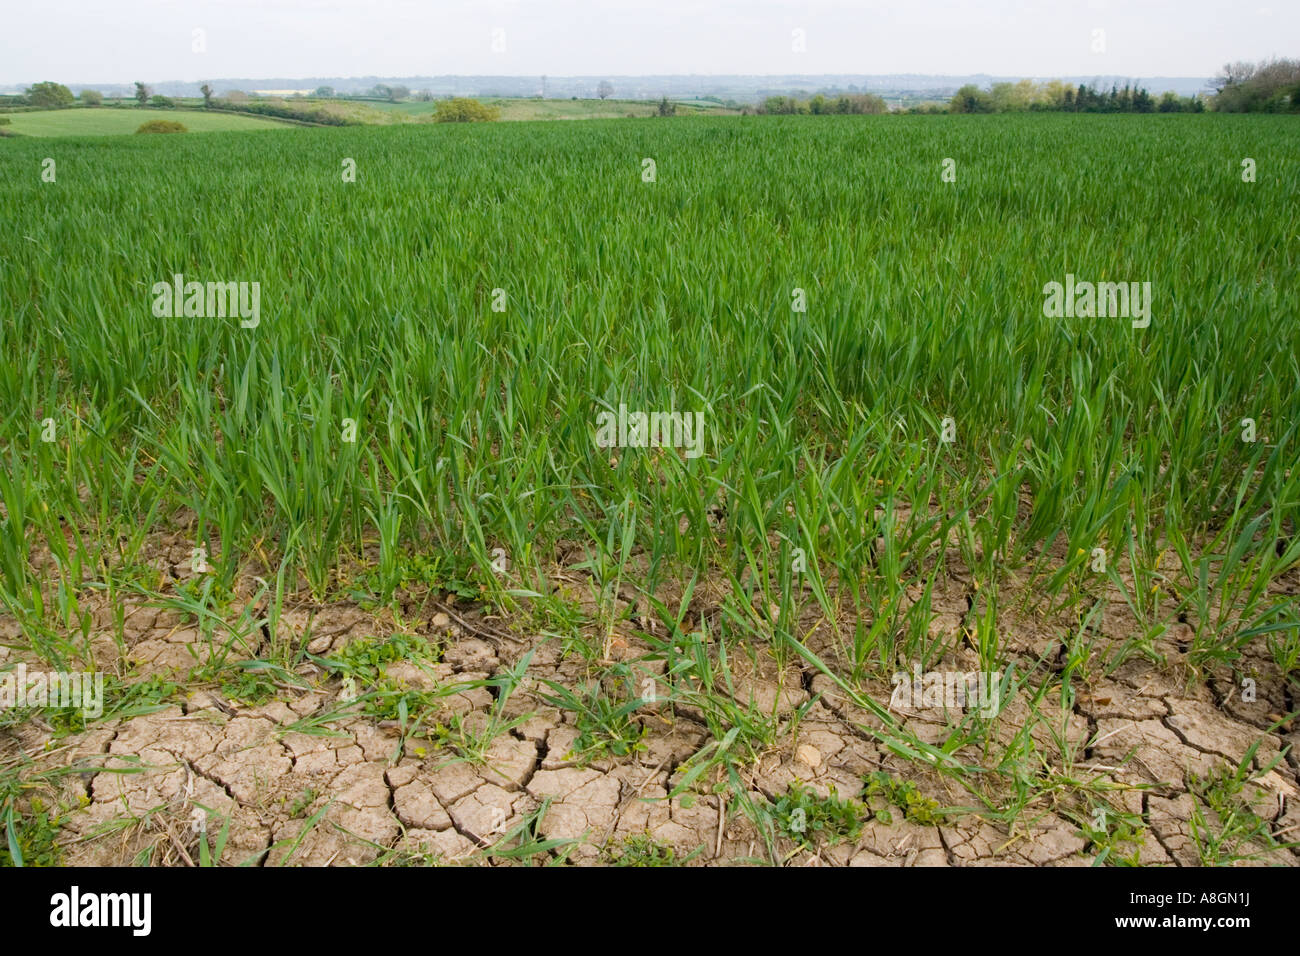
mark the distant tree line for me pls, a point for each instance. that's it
(822, 105)
(46, 96)
(55, 96)
(1056, 96)
(1272, 86)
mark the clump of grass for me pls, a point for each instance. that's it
(122, 699)
(1234, 830)
(1116, 836)
(29, 837)
(606, 724)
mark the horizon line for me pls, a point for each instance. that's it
(616, 76)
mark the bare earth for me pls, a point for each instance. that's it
(1141, 737)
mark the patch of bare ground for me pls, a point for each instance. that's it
(305, 778)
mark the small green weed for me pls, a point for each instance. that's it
(643, 850)
(904, 795)
(807, 818)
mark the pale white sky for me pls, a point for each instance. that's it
(112, 41)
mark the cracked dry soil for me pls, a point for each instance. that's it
(302, 785)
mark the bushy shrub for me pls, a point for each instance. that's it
(464, 110)
(162, 126)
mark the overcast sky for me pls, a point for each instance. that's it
(118, 41)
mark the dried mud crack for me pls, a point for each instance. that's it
(489, 762)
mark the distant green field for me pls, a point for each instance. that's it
(118, 121)
(406, 108)
(531, 109)
(528, 108)
(111, 122)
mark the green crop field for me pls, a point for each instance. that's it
(903, 455)
(527, 108)
(117, 121)
(538, 109)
